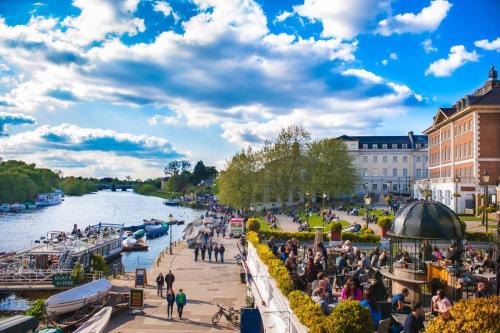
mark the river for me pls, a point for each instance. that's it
(19, 230)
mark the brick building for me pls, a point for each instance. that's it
(464, 141)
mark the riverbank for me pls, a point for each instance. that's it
(205, 284)
(164, 195)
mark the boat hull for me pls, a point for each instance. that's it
(135, 248)
(97, 323)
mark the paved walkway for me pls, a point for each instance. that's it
(205, 285)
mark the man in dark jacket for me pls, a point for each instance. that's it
(169, 280)
(222, 249)
(210, 250)
(160, 281)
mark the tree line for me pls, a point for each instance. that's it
(290, 164)
(20, 182)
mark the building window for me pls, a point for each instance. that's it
(404, 146)
(405, 159)
(375, 146)
(365, 159)
(419, 158)
(425, 173)
(384, 146)
(384, 159)
(419, 173)
(353, 146)
(384, 187)
(471, 148)
(447, 197)
(394, 146)
(365, 172)
(470, 125)
(374, 187)
(374, 158)
(394, 172)
(405, 172)
(365, 146)
(419, 146)
(395, 159)
(375, 172)
(385, 172)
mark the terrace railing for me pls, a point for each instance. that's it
(29, 278)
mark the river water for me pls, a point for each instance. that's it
(19, 230)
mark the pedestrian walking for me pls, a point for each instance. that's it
(203, 250)
(169, 280)
(210, 250)
(222, 249)
(160, 281)
(224, 231)
(218, 232)
(181, 301)
(216, 252)
(196, 252)
(170, 303)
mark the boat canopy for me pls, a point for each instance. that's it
(236, 219)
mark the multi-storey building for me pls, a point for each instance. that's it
(464, 142)
(388, 163)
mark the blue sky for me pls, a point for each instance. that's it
(116, 88)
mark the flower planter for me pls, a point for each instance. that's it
(335, 235)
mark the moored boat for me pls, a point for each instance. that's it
(97, 323)
(48, 199)
(131, 244)
(77, 298)
(5, 207)
(17, 207)
(150, 230)
(171, 202)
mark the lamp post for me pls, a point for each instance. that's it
(486, 180)
(368, 202)
(170, 223)
(325, 195)
(457, 180)
(307, 203)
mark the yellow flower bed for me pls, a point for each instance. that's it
(470, 316)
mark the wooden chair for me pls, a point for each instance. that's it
(384, 325)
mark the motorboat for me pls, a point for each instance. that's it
(131, 244)
(151, 230)
(48, 199)
(97, 323)
(17, 207)
(78, 297)
(5, 207)
(171, 202)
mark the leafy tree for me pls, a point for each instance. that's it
(329, 168)
(199, 173)
(146, 188)
(175, 166)
(99, 264)
(78, 274)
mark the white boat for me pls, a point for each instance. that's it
(77, 298)
(4, 207)
(97, 323)
(171, 202)
(17, 207)
(48, 199)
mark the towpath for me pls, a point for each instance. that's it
(205, 285)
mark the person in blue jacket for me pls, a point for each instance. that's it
(181, 300)
(371, 303)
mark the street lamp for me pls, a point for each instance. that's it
(307, 203)
(457, 180)
(486, 180)
(368, 202)
(325, 195)
(170, 223)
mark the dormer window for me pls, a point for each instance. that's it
(384, 146)
(405, 146)
(375, 146)
(394, 146)
(365, 146)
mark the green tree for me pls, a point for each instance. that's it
(283, 160)
(99, 264)
(199, 173)
(329, 168)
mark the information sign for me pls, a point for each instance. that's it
(136, 299)
(140, 277)
(63, 280)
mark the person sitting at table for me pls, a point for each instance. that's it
(320, 276)
(426, 251)
(317, 262)
(414, 323)
(399, 304)
(348, 249)
(321, 300)
(371, 303)
(382, 260)
(284, 255)
(272, 246)
(350, 291)
(478, 259)
(453, 252)
(469, 251)
(374, 257)
(311, 272)
(481, 290)
(437, 254)
(291, 264)
(488, 263)
(406, 258)
(364, 264)
(440, 303)
(342, 263)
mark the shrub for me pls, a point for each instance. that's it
(253, 224)
(308, 312)
(337, 227)
(78, 274)
(99, 264)
(468, 316)
(37, 308)
(349, 317)
(385, 222)
(476, 236)
(309, 236)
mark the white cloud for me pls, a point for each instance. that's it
(163, 7)
(340, 18)
(393, 56)
(494, 45)
(457, 57)
(385, 62)
(165, 120)
(365, 75)
(428, 19)
(427, 45)
(283, 16)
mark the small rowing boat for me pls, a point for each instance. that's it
(98, 322)
(77, 298)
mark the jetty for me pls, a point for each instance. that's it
(205, 284)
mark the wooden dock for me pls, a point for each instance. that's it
(205, 285)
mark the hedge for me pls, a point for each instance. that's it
(475, 236)
(309, 236)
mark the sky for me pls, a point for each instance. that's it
(119, 88)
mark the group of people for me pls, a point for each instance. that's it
(180, 298)
(217, 250)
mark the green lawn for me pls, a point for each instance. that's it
(317, 221)
(466, 218)
(376, 212)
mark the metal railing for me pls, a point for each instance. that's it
(29, 278)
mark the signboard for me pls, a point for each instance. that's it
(136, 299)
(63, 280)
(140, 277)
